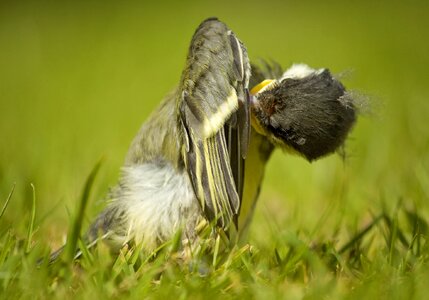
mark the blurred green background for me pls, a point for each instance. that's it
(77, 79)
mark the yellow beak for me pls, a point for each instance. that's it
(257, 88)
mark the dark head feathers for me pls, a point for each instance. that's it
(311, 114)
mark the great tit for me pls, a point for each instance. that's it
(201, 155)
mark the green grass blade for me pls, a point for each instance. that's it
(7, 201)
(31, 225)
(360, 235)
(7, 246)
(76, 227)
(216, 251)
(393, 238)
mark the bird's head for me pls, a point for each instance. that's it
(306, 110)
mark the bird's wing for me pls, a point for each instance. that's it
(214, 114)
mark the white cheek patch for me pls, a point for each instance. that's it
(298, 71)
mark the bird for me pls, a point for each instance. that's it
(200, 157)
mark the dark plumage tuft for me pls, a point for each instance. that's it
(313, 115)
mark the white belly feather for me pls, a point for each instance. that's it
(155, 201)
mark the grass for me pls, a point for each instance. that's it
(386, 259)
(76, 228)
(76, 81)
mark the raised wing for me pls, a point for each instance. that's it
(215, 119)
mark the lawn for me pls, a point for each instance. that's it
(78, 78)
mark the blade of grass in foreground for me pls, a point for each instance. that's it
(361, 234)
(7, 201)
(31, 225)
(71, 246)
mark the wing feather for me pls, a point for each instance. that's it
(214, 117)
